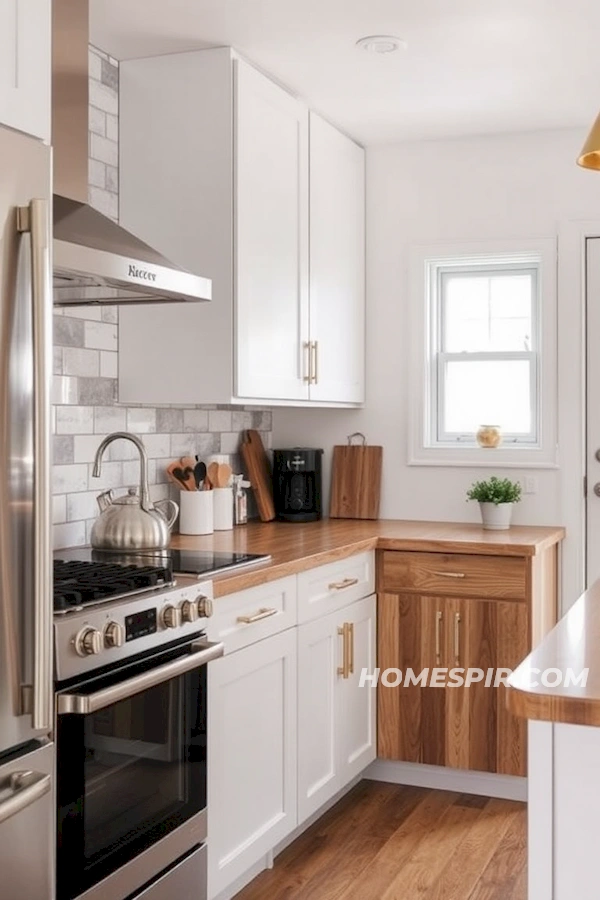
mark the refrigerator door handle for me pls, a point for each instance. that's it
(33, 221)
(25, 788)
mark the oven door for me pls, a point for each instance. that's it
(131, 752)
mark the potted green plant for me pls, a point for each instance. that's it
(496, 498)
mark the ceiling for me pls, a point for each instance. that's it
(471, 66)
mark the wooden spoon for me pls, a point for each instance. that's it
(212, 473)
(224, 474)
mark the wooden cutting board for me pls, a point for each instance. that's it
(356, 480)
(259, 473)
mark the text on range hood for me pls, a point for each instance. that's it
(95, 260)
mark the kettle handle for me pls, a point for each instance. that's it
(174, 510)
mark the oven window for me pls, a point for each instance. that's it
(127, 775)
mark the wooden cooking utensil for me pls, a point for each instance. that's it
(224, 473)
(356, 480)
(259, 473)
(178, 475)
(212, 473)
(187, 462)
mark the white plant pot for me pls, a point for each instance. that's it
(496, 516)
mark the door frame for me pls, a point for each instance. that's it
(572, 400)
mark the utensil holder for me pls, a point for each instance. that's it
(196, 512)
(223, 508)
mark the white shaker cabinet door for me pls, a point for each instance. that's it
(252, 710)
(271, 239)
(336, 717)
(319, 656)
(357, 709)
(25, 46)
(337, 265)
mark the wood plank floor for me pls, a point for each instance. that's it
(390, 842)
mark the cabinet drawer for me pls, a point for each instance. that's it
(246, 617)
(454, 575)
(330, 587)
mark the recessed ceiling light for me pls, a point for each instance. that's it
(381, 43)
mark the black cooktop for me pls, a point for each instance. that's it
(83, 575)
(78, 582)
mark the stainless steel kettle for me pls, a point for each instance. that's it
(131, 522)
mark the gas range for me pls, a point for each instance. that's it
(110, 608)
(84, 576)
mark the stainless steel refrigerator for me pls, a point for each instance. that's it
(27, 802)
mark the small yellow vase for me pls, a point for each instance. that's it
(489, 436)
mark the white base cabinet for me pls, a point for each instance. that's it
(251, 756)
(336, 717)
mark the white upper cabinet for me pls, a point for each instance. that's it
(217, 174)
(271, 174)
(25, 46)
(337, 264)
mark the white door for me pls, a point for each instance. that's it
(25, 43)
(593, 410)
(337, 264)
(319, 656)
(271, 239)
(252, 713)
(336, 717)
(357, 708)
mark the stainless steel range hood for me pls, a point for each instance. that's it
(96, 261)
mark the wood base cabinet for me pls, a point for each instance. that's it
(455, 611)
(336, 717)
(251, 755)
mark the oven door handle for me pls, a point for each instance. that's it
(84, 704)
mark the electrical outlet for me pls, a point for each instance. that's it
(530, 485)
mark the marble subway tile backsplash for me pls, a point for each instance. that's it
(85, 390)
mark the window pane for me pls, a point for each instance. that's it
(487, 393)
(487, 312)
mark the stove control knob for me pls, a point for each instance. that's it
(114, 635)
(189, 611)
(171, 617)
(205, 606)
(88, 642)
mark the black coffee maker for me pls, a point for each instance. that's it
(297, 484)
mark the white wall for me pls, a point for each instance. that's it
(501, 187)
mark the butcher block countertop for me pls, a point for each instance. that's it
(574, 643)
(297, 547)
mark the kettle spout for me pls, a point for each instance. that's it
(104, 500)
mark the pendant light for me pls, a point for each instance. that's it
(589, 157)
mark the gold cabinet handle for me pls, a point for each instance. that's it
(315, 370)
(308, 348)
(457, 620)
(257, 617)
(438, 635)
(344, 632)
(450, 574)
(351, 648)
(342, 585)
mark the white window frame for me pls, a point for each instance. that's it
(427, 444)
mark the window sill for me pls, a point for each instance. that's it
(480, 458)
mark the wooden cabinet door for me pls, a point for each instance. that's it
(25, 45)
(357, 706)
(252, 718)
(410, 632)
(337, 264)
(271, 243)
(461, 727)
(496, 636)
